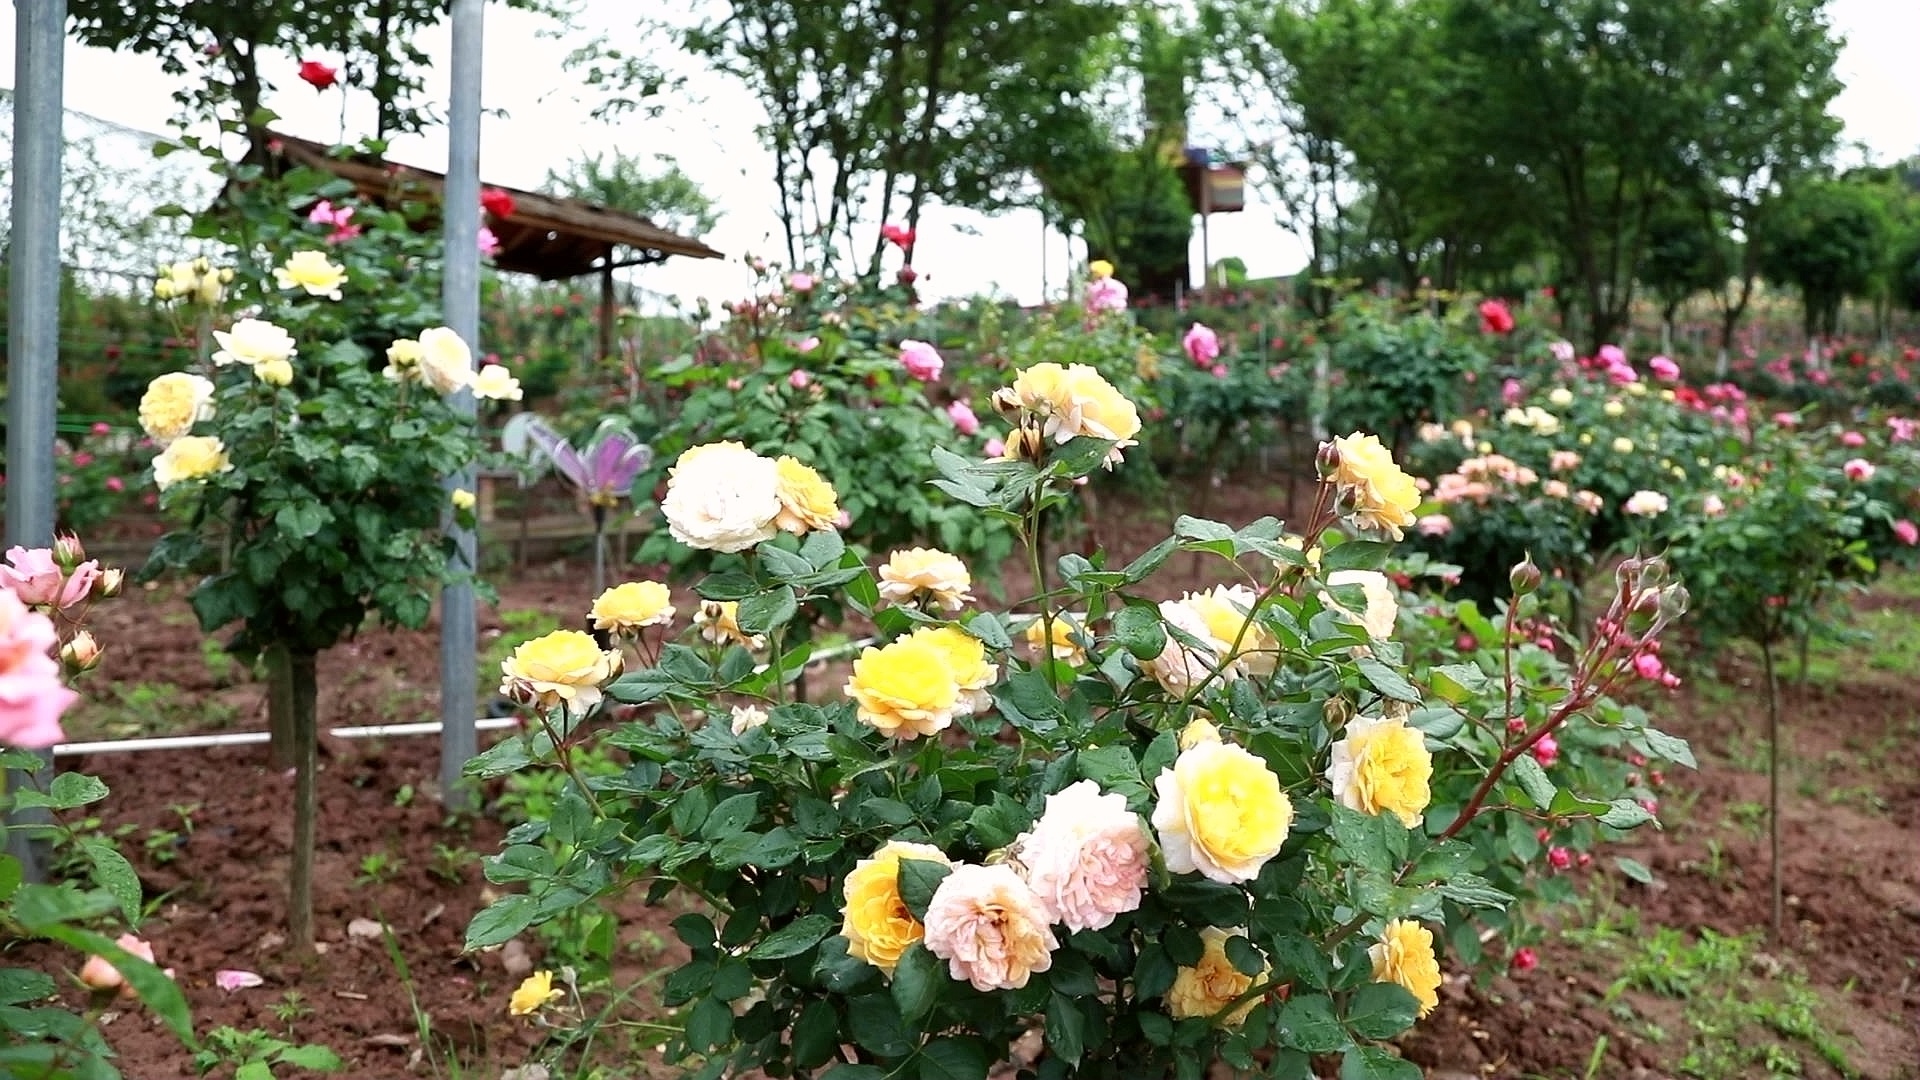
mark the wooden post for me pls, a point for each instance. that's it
(606, 309)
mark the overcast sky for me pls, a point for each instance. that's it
(543, 121)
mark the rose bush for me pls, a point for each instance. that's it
(1241, 822)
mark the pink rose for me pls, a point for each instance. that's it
(1525, 960)
(1907, 532)
(1786, 419)
(1511, 392)
(963, 418)
(1858, 469)
(1495, 318)
(1559, 858)
(1664, 369)
(1611, 356)
(32, 575)
(1202, 345)
(32, 697)
(115, 484)
(1219, 371)
(989, 928)
(1434, 525)
(98, 973)
(1853, 438)
(101, 427)
(921, 360)
(1648, 666)
(1562, 351)
(800, 282)
(79, 584)
(994, 448)
(1086, 859)
(807, 344)
(799, 379)
(1904, 430)
(1546, 751)
(1106, 294)
(489, 243)
(1712, 506)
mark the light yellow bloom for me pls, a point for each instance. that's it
(1065, 646)
(718, 622)
(403, 360)
(173, 403)
(926, 573)
(874, 919)
(446, 363)
(1383, 603)
(906, 689)
(1200, 730)
(628, 607)
(966, 658)
(1637, 389)
(252, 341)
(190, 457)
(807, 502)
(535, 992)
(496, 383)
(1560, 396)
(1623, 445)
(313, 272)
(1404, 955)
(1220, 812)
(1383, 766)
(1613, 407)
(566, 668)
(1380, 495)
(1073, 401)
(274, 372)
(1214, 983)
(1099, 268)
(462, 499)
(747, 717)
(1224, 609)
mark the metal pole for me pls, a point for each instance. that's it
(33, 309)
(460, 303)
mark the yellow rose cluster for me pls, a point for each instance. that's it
(1049, 402)
(566, 669)
(193, 281)
(1376, 494)
(724, 497)
(918, 684)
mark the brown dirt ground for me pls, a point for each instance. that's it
(1853, 872)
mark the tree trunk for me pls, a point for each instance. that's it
(306, 804)
(280, 752)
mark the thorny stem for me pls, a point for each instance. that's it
(563, 750)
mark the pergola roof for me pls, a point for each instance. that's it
(549, 237)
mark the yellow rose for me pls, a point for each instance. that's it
(1586, 438)
(1637, 389)
(906, 689)
(875, 921)
(173, 403)
(1382, 766)
(566, 668)
(1383, 603)
(1382, 497)
(462, 499)
(274, 372)
(807, 503)
(1224, 609)
(252, 341)
(1613, 408)
(190, 457)
(966, 657)
(1198, 731)
(1623, 445)
(1099, 269)
(313, 272)
(1404, 955)
(496, 383)
(926, 573)
(1041, 388)
(1560, 396)
(1213, 983)
(535, 992)
(1104, 412)
(717, 621)
(446, 364)
(403, 360)
(1220, 812)
(626, 608)
(1065, 646)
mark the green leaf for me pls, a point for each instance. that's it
(731, 817)
(1674, 749)
(1375, 842)
(761, 612)
(793, 939)
(1625, 814)
(844, 1071)
(1307, 1023)
(1386, 680)
(954, 1057)
(1373, 1063)
(501, 759)
(159, 992)
(1113, 768)
(1441, 862)
(1355, 555)
(917, 982)
(709, 1024)
(1245, 958)
(1155, 557)
(1456, 683)
(816, 1035)
(253, 1070)
(70, 790)
(1532, 779)
(302, 520)
(918, 880)
(1474, 891)
(1066, 1028)
(500, 921)
(1381, 1010)
(1137, 629)
(785, 566)
(311, 1057)
(1634, 869)
(875, 1024)
(112, 872)
(19, 986)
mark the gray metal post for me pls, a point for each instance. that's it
(33, 305)
(460, 303)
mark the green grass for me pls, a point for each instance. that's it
(129, 710)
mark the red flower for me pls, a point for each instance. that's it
(897, 235)
(1495, 318)
(318, 75)
(497, 203)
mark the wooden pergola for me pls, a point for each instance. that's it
(551, 238)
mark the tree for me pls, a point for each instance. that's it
(668, 197)
(1829, 239)
(1685, 255)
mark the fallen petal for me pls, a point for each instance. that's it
(230, 980)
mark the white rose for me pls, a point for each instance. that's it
(496, 383)
(1383, 605)
(747, 717)
(446, 364)
(1180, 666)
(252, 341)
(722, 497)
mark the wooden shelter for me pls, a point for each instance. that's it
(552, 238)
